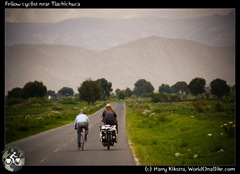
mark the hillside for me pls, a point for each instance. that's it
(100, 33)
(158, 60)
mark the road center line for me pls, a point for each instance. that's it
(44, 159)
(56, 150)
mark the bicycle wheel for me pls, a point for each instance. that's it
(82, 138)
(108, 140)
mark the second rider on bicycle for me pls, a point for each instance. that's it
(109, 116)
(81, 121)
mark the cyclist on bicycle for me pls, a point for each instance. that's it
(81, 121)
(109, 116)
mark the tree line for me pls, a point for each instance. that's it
(100, 89)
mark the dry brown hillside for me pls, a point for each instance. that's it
(158, 60)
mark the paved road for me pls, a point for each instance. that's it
(58, 147)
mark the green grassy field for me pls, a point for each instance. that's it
(35, 115)
(183, 133)
(197, 132)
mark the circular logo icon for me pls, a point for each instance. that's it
(13, 159)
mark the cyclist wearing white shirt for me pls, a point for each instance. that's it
(81, 121)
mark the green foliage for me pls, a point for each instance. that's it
(66, 92)
(142, 86)
(90, 91)
(219, 87)
(180, 87)
(218, 106)
(159, 97)
(164, 88)
(12, 101)
(34, 115)
(178, 134)
(57, 107)
(215, 144)
(69, 100)
(122, 94)
(106, 88)
(229, 128)
(200, 105)
(197, 86)
(34, 89)
(30, 89)
(51, 93)
(15, 93)
(159, 117)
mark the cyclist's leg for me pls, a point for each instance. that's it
(79, 130)
(86, 131)
(78, 141)
(78, 137)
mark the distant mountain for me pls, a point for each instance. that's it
(100, 34)
(158, 60)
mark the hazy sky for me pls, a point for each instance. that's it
(57, 15)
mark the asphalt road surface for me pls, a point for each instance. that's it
(58, 147)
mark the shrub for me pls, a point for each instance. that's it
(13, 101)
(57, 108)
(218, 107)
(160, 117)
(229, 128)
(199, 105)
(216, 144)
(68, 100)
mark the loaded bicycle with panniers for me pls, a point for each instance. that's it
(108, 135)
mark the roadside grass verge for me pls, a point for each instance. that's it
(180, 134)
(35, 115)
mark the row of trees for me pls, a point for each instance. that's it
(197, 86)
(30, 89)
(101, 89)
(89, 91)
